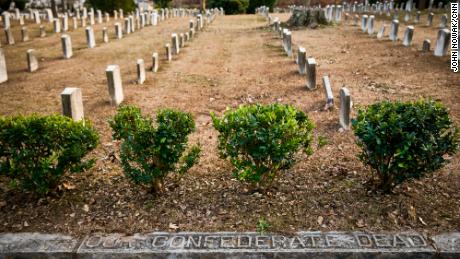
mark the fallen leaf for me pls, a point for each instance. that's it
(320, 220)
(68, 186)
(421, 221)
(360, 223)
(26, 224)
(173, 226)
(85, 208)
(412, 213)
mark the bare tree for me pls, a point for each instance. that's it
(54, 8)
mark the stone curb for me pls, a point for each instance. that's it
(231, 245)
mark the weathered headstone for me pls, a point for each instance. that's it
(3, 70)
(155, 62)
(289, 44)
(181, 40)
(105, 35)
(42, 31)
(65, 23)
(90, 40)
(406, 16)
(426, 45)
(430, 19)
(6, 20)
(175, 44)
(417, 17)
(442, 43)
(118, 31)
(408, 36)
(72, 103)
(127, 27)
(381, 32)
(9, 37)
(355, 20)
(364, 23)
(114, 84)
(311, 73)
(66, 46)
(394, 30)
(443, 23)
(370, 25)
(345, 108)
(24, 34)
(32, 62)
(57, 25)
(302, 60)
(140, 71)
(74, 23)
(328, 92)
(168, 52)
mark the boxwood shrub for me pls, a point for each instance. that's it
(261, 140)
(150, 151)
(36, 151)
(403, 140)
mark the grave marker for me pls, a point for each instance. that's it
(443, 23)
(32, 62)
(105, 35)
(57, 25)
(345, 108)
(370, 25)
(90, 40)
(9, 37)
(155, 62)
(430, 19)
(114, 84)
(72, 103)
(311, 73)
(175, 44)
(394, 30)
(24, 34)
(328, 91)
(408, 36)
(381, 32)
(302, 59)
(3, 70)
(42, 31)
(168, 52)
(364, 23)
(66, 46)
(118, 31)
(426, 45)
(140, 71)
(442, 43)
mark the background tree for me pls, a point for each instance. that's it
(163, 3)
(111, 5)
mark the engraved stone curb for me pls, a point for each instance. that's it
(448, 245)
(37, 245)
(232, 245)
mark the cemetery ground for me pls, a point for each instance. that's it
(236, 60)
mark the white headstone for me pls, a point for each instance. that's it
(118, 31)
(3, 71)
(114, 84)
(32, 62)
(328, 92)
(72, 103)
(175, 44)
(311, 73)
(90, 40)
(66, 46)
(140, 71)
(105, 35)
(168, 52)
(394, 30)
(407, 41)
(345, 108)
(302, 59)
(155, 62)
(442, 43)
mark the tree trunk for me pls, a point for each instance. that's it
(54, 8)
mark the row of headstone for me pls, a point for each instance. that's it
(134, 21)
(442, 43)
(72, 104)
(307, 66)
(66, 41)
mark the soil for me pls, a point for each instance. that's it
(236, 60)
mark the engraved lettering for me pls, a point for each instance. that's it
(162, 239)
(279, 241)
(363, 240)
(262, 242)
(177, 242)
(296, 242)
(210, 240)
(417, 241)
(381, 240)
(191, 240)
(93, 241)
(227, 242)
(240, 241)
(398, 241)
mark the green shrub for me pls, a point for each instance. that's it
(262, 140)
(35, 151)
(403, 140)
(148, 152)
(112, 5)
(231, 6)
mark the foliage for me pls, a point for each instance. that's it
(322, 141)
(163, 3)
(253, 4)
(231, 6)
(113, 5)
(148, 152)
(260, 140)
(36, 151)
(403, 140)
(262, 226)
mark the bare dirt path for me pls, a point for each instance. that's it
(235, 61)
